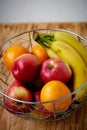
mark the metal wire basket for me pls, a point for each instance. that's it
(34, 111)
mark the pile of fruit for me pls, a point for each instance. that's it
(54, 68)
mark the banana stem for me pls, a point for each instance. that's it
(46, 41)
(41, 43)
(48, 35)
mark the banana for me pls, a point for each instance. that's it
(51, 53)
(70, 55)
(74, 42)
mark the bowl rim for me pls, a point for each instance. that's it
(39, 29)
(57, 99)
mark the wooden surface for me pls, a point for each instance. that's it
(78, 120)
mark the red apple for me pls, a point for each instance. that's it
(14, 83)
(36, 96)
(55, 69)
(26, 68)
(17, 91)
(39, 108)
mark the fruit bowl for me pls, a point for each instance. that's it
(34, 110)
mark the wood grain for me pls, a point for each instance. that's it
(78, 120)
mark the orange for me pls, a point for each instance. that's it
(55, 90)
(40, 53)
(12, 53)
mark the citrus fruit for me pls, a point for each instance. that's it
(55, 90)
(40, 53)
(12, 53)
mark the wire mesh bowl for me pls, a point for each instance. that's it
(34, 110)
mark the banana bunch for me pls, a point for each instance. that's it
(74, 53)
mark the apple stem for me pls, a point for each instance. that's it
(51, 66)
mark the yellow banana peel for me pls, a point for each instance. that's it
(72, 41)
(79, 69)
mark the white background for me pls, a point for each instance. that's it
(12, 11)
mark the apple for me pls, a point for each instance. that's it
(36, 96)
(39, 108)
(26, 68)
(14, 83)
(55, 69)
(18, 92)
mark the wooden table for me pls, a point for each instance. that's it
(78, 120)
